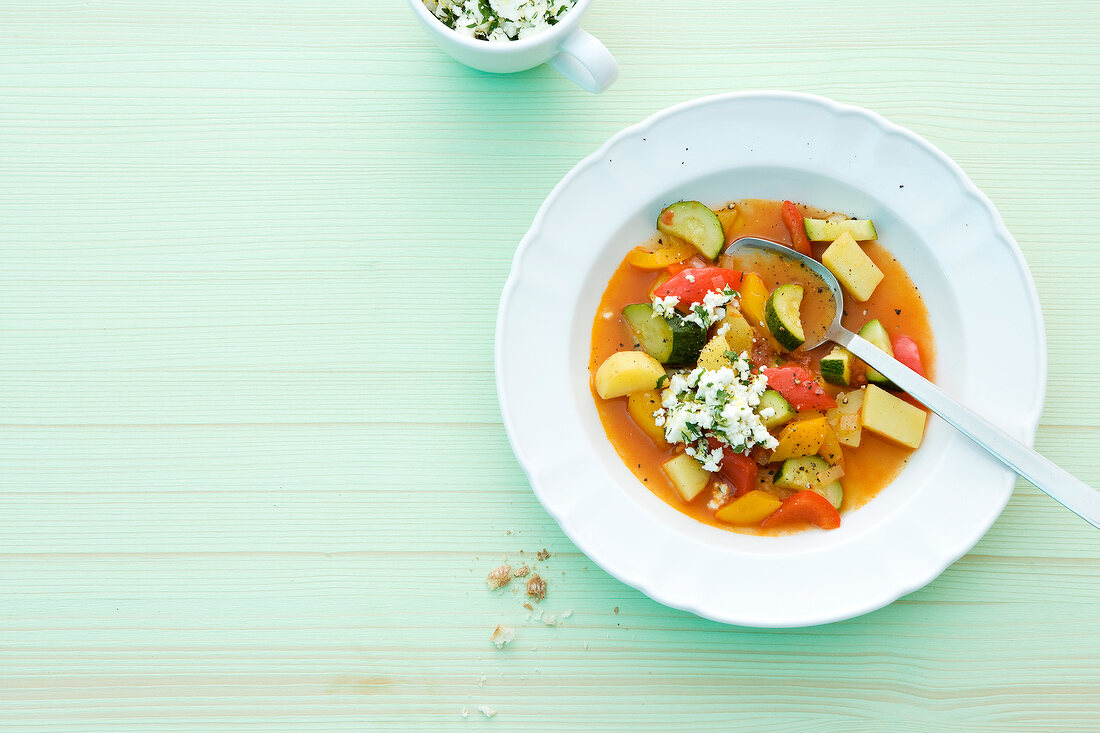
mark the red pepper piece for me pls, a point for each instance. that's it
(906, 351)
(805, 506)
(690, 285)
(798, 387)
(740, 470)
(737, 468)
(792, 217)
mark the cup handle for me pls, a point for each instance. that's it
(585, 61)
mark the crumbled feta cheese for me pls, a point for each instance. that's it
(665, 306)
(499, 20)
(713, 308)
(724, 328)
(689, 277)
(703, 404)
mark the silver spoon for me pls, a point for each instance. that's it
(1059, 484)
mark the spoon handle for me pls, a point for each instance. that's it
(1059, 484)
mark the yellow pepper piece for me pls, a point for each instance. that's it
(752, 508)
(801, 438)
(830, 447)
(661, 280)
(641, 406)
(659, 259)
(729, 219)
(754, 296)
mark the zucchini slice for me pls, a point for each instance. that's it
(694, 223)
(669, 341)
(836, 367)
(784, 412)
(823, 230)
(783, 318)
(874, 332)
(800, 473)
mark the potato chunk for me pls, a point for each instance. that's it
(892, 417)
(627, 371)
(852, 267)
(687, 475)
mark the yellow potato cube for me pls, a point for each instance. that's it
(641, 406)
(852, 267)
(687, 475)
(627, 371)
(752, 508)
(892, 417)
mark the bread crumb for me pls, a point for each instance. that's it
(487, 711)
(616, 610)
(536, 587)
(528, 606)
(502, 635)
(499, 577)
(543, 554)
(522, 572)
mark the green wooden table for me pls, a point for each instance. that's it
(253, 473)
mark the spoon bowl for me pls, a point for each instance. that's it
(747, 244)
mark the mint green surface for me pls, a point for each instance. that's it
(252, 473)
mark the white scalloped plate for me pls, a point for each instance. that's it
(771, 145)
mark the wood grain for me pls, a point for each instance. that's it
(249, 482)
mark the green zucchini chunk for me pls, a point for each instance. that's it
(668, 340)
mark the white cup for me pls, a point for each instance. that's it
(574, 53)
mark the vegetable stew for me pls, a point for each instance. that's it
(705, 390)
